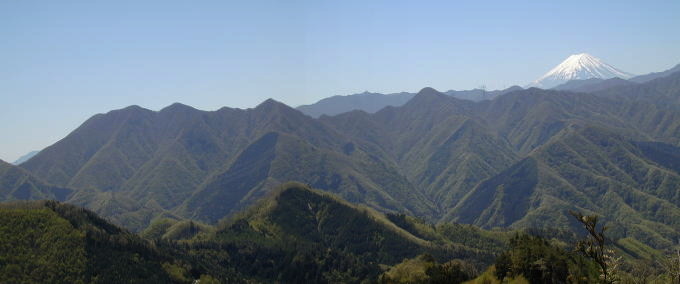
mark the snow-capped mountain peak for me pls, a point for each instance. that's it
(578, 67)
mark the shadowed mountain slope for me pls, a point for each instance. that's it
(50, 242)
(18, 184)
(588, 169)
(322, 236)
(181, 160)
(655, 75)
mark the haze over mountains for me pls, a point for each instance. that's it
(373, 102)
(412, 177)
(579, 72)
(25, 157)
(521, 159)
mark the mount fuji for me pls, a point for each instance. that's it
(578, 67)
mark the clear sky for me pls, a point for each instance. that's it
(64, 61)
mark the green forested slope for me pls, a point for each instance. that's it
(588, 169)
(436, 157)
(18, 184)
(142, 164)
(296, 234)
(49, 242)
(305, 235)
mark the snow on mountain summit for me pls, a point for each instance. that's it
(578, 67)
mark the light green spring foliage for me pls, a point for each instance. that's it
(411, 270)
(489, 277)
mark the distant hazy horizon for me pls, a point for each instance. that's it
(64, 61)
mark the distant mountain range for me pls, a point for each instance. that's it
(592, 84)
(578, 73)
(19, 184)
(368, 102)
(518, 160)
(655, 75)
(373, 102)
(597, 84)
(25, 158)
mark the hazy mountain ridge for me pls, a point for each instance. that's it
(592, 85)
(424, 158)
(175, 156)
(368, 102)
(18, 184)
(655, 75)
(373, 102)
(25, 157)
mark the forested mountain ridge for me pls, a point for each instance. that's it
(294, 234)
(50, 242)
(532, 123)
(169, 162)
(425, 158)
(590, 169)
(19, 184)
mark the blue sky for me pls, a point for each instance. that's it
(64, 61)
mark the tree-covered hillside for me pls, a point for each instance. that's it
(296, 234)
(51, 242)
(519, 160)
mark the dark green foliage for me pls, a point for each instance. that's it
(303, 235)
(49, 242)
(37, 246)
(295, 235)
(539, 261)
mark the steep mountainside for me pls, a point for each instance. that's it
(295, 234)
(447, 146)
(325, 238)
(205, 165)
(589, 169)
(429, 157)
(528, 123)
(18, 184)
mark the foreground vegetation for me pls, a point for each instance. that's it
(302, 235)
